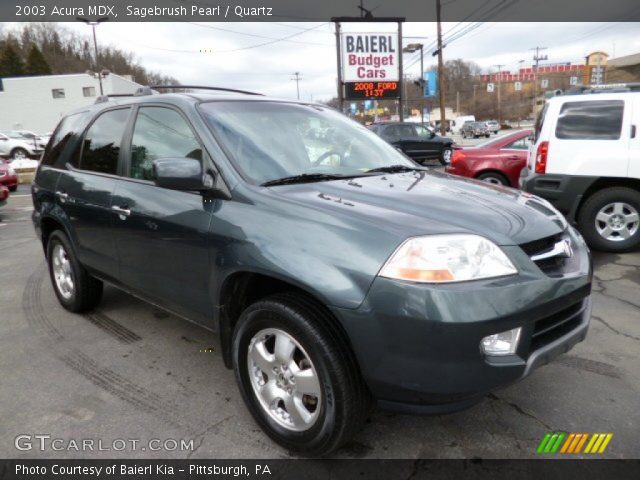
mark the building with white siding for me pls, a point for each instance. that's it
(38, 103)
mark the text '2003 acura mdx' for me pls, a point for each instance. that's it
(338, 273)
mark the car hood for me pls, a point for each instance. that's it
(426, 203)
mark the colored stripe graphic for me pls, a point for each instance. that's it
(573, 443)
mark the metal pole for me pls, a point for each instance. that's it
(443, 127)
(422, 81)
(95, 48)
(339, 53)
(401, 86)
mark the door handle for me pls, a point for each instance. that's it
(121, 211)
(63, 196)
(633, 131)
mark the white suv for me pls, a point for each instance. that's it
(585, 160)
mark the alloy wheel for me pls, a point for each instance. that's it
(62, 272)
(617, 221)
(284, 379)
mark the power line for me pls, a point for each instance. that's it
(271, 42)
(255, 35)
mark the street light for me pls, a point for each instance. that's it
(93, 24)
(414, 47)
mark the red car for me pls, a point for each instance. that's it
(8, 176)
(497, 161)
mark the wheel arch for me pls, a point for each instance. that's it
(603, 183)
(242, 288)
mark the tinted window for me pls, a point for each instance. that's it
(406, 131)
(391, 132)
(101, 145)
(68, 127)
(599, 120)
(160, 133)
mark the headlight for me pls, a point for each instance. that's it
(447, 258)
(503, 343)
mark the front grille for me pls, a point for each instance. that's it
(541, 245)
(551, 266)
(554, 326)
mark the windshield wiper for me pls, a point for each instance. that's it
(393, 169)
(303, 178)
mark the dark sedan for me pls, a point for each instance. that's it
(416, 141)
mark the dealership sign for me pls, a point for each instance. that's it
(370, 57)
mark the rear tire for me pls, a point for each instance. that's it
(314, 423)
(14, 188)
(77, 291)
(445, 156)
(494, 178)
(608, 220)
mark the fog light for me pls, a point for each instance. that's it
(503, 343)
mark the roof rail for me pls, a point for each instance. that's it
(105, 98)
(604, 88)
(200, 87)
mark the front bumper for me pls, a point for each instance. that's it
(418, 345)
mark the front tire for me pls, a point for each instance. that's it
(14, 188)
(609, 220)
(19, 154)
(77, 291)
(297, 375)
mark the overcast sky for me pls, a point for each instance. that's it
(237, 60)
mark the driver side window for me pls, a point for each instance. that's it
(520, 144)
(160, 132)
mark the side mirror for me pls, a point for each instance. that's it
(432, 134)
(181, 174)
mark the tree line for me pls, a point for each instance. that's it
(48, 48)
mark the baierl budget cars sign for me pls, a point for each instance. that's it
(369, 56)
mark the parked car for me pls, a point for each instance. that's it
(498, 161)
(16, 147)
(4, 195)
(458, 123)
(337, 272)
(8, 177)
(492, 126)
(38, 141)
(416, 141)
(474, 130)
(585, 161)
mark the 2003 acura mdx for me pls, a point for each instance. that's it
(337, 272)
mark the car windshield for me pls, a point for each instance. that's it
(269, 141)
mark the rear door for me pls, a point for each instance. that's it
(84, 191)
(591, 137)
(162, 234)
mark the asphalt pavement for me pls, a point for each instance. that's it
(130, 371)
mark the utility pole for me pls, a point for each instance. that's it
(297, 77)
(94, 24)
(441, 82)
(536, 58)
(458, 102)
(499, 67)
(474, 97)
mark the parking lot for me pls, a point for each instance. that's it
(131, 371)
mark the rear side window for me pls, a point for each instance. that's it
(540, 122)
(160, 133)
(597, 120)
(101, 145)
(69, 127)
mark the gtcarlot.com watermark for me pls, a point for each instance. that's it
(47, 443)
